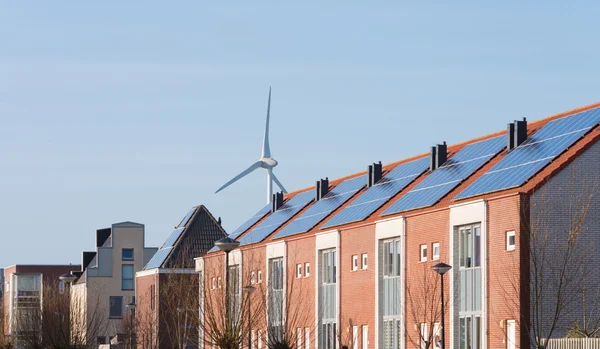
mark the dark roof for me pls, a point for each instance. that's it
(198, 237)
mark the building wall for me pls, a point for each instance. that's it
(555, 209)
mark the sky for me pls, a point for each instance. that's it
(116, 111)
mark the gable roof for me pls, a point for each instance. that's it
(537, 179)
(199, 232)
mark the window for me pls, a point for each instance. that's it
(390, 252)
(354, 337)
(435, 247)
(127, 277)
(424, 335)
(510, 240)
(364, 261)
(116, 307)
(327, 299)
(61, 287)
(306, 338)
(306, 270)
(470, 286)
(252, 338)
(299, 337)
(423, 255)
(354, 263)
(275, 306)
(213, 283)
(127, 254)
(219, 282)
(252, 275)
(365, 337)
(101, 340)
(437, 336)
(298, 271)
(260, 276)
(259, 344)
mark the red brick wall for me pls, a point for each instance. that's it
(301, 291)
(357, 288)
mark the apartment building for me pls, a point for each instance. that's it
(167, 288)
(106, 281)
(356, 253)
(24, 287)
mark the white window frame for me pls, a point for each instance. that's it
(252, 277)
(424, 335)
(354, 337)
(423, 248)
(219, 282)
(365, 337)
(306, 270)
(213, 283)
(306, 337)
(365, 261)
(259, 277)
(435, 255)
(299, 271)
(299, 337)
(510, 247)
(354, 262)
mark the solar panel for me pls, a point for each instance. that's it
(441, 181)
(173, 237)
(533, 154)
(250, 222)
(278, 218)
(186, 219)
(374, 197)
(322, 208)
(159, 258)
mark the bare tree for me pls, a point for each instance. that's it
(146, 321)
(554, 290)
(179, 308)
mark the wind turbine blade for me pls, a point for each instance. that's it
(277, 181)
(266, 150)
(253, 167)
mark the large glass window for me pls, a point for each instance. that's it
(327, 299)
(127, 254)
(389, 281)
(469, 278)
(275, 306)
(26, 298)
(116, 307)
(127, 277)
(234, 291)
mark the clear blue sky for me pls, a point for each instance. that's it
(114, 111)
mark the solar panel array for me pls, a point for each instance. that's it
(187, 217)
(247, 224)
(374, 197)
(322, 208)
(278, 218)
(533, 154)
(441, 181)
(159, 257)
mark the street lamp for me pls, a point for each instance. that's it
(249, 289)
(67, 278)
(442, 268)
(227, 245)
(131, 307)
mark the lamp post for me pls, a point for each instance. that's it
(227, 245)
(131, 307)
(249, 289)
(442, 268)
(67, 279)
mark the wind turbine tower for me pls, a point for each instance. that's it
(265, 161)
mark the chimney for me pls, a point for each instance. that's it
(375, 172)
(516, 133)
(277, 201)
(520, 132)
(438, 156)
(219, 221)
(510, 136)
(322, 188)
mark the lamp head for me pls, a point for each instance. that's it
(227, 244)
(441, 268)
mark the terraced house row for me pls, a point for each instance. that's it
(349, 261)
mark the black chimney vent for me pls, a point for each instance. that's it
(219, 221)
(520, 132)
(375, 172)
(510, 136)
(322, 188)
(439, 155)
(277, 201)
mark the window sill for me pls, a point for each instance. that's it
(513, 250)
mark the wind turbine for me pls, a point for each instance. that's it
(265, 161)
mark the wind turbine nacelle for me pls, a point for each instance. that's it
(268, 162)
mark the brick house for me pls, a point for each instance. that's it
(356, 252)
(167, 287)
(24, 286)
